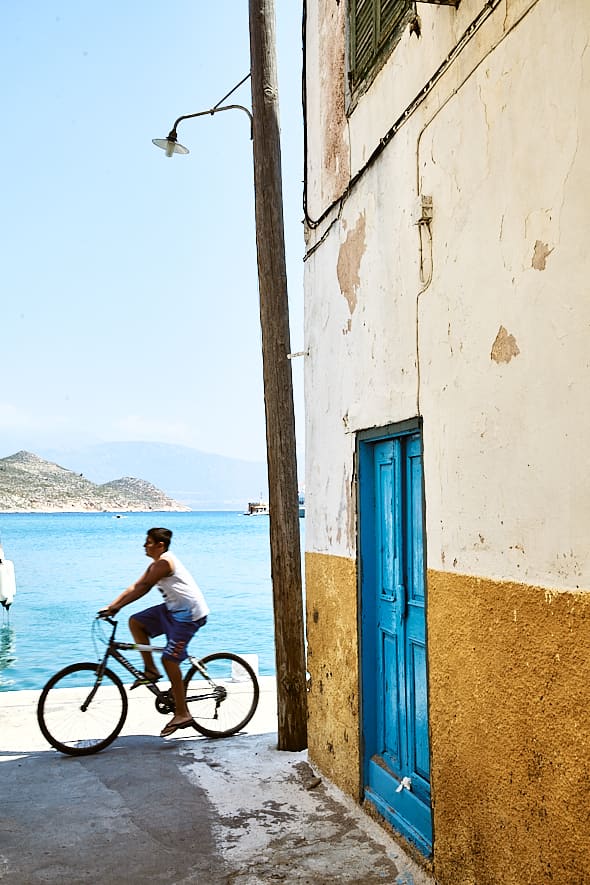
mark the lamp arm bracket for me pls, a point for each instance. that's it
(211, 111)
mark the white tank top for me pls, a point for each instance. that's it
(181, 592)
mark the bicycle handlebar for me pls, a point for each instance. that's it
(103, 615)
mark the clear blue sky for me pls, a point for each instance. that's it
(129, 296)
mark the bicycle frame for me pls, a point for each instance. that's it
(114, 649)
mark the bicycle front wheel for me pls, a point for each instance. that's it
(79, 715)
(221, 693)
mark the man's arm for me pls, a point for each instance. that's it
(156, 571)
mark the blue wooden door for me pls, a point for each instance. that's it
(393, 634)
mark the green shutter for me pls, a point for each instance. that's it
(391, 15)
(372, 25)
(363, 33)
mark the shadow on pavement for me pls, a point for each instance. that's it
(126, 813)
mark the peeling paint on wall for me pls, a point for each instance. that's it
(335, 159)
(349, 261)
(504, 347)
(540, 254)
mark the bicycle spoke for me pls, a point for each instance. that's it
(81, 718)
(222, 694)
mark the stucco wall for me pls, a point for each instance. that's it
(333, 705)
(508, 698)
(325, 52)
(503, 327)
(510, 732)
(480, 324)
(490, 346)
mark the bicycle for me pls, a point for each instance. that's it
(222, 695)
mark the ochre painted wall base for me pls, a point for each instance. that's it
(509, 692)
(332, 635)
(509, 709)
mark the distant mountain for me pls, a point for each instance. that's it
(29, 483)
(199, 479)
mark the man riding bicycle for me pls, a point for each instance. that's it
(183, 612)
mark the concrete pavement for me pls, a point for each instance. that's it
(184, 810)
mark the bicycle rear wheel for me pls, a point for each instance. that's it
(79, 716)
(221, 693)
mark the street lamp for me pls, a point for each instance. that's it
(170, 143)
(285, 551)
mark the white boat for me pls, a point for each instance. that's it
(7, 581)
(256, 508)
(260, 508)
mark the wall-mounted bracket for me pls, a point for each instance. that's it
(423, 210)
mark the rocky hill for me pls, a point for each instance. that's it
(29, 483)
(203, 480)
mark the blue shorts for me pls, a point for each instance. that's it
(158, 620)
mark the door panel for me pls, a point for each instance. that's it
(419, 715)
(391, 724)
(415, 522)
(393, 658)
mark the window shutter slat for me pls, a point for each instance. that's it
(391, 14)
(373, 23)
(364, 34)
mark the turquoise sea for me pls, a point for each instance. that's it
(68, 565)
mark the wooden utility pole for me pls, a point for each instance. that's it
(285, 551)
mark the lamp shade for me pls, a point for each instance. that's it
(171, 147)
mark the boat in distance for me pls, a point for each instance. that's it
(260, 508)
(256, 508)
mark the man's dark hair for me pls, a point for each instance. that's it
(163, 536)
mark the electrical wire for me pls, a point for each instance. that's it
(468, 34)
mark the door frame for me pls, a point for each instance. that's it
(365, 442)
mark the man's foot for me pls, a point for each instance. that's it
(148, 678)
(175, 726)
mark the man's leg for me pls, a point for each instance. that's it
(175, 676)
(141, 636)
(179, 634)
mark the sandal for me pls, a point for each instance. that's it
(147, 679)
(175, 726)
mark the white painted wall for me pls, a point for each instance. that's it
(502, 143)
